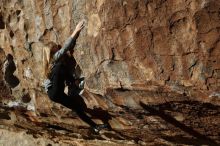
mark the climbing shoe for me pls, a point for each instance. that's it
(98, 128)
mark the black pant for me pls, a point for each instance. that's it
(56, 94)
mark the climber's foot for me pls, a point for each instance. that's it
(98, 128)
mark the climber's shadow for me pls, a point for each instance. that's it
(154, 110)
(96, 113)
(99, 113)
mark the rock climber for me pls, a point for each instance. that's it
(57, 74)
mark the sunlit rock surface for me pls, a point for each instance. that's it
(163, 53)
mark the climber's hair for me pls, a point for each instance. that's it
(9, 57)
(48, 52)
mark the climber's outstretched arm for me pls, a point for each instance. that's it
(70, 42)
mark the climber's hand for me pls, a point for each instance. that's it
(80, 26)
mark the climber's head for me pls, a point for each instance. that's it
(48, 52)
(53, 48)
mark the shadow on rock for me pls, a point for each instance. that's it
(200, 138)
(9, 69)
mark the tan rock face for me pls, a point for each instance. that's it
(128, 45)
(168, 42)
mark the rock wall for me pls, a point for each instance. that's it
(173, 42)
(126, 44)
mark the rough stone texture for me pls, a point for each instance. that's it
(166, 42)
(21, 138)
(127, 44)
(154, 51)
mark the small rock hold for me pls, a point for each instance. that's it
(28, 73)
(142, 142)
(179, 117)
